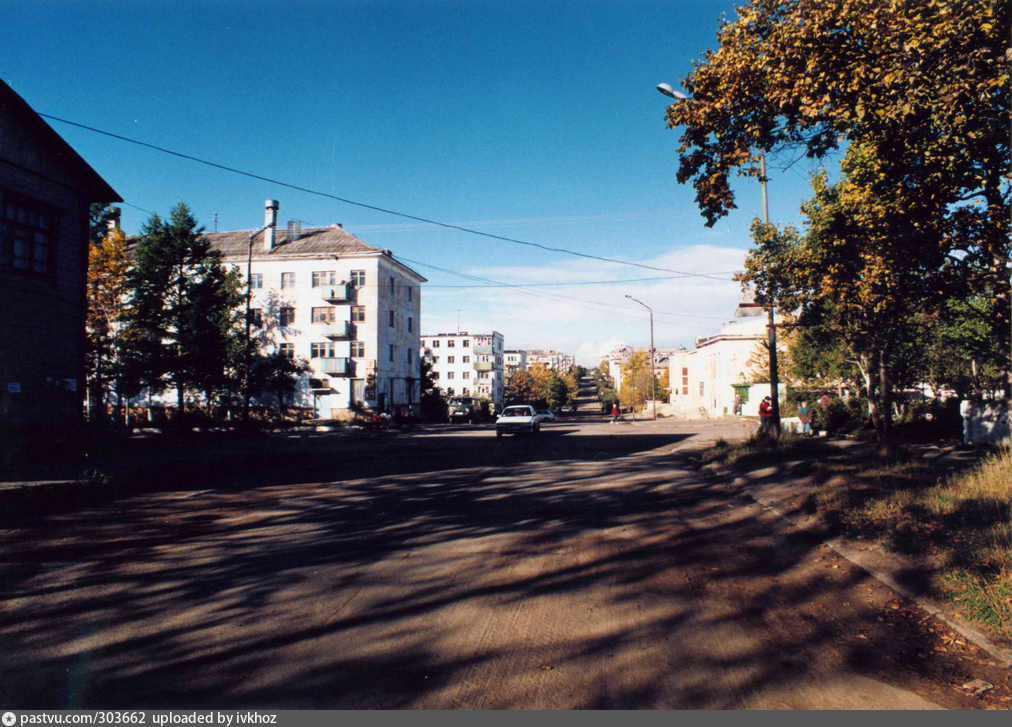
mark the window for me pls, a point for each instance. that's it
(25, 235)
(327, 314)
(391, 352)
(326, 277)
(435, 344)
(358, 277)
(451, 359)
(701, 383)
(435, 374)
(358, 314)
(411, 293)
(466, 375)
(466, 342)
(391, 319)
(287, 280)
(450, 391)
(287, 350)
(410, 359)
(435, 359)
(411, 325)
(466, 359)
(256, 281)
(451, 343)
(449, 374)
(465, 392)
(358, 349)
(322, 350)
(391, 287)
(256, 317)
(286, 317)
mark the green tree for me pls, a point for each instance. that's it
(182, 315)
(921, 87)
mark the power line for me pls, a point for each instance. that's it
(585, 282)
(369, 206)
(559, 298)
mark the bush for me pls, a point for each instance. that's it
(842, 416)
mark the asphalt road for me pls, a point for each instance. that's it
(587, 567)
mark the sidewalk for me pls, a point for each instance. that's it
(781, 490)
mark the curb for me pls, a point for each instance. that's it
(844, 549)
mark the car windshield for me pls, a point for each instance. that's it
(520, 411)
(459, 402)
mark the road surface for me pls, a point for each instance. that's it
(587, 567)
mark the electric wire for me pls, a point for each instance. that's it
(375, 208)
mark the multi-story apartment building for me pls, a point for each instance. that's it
(350, 309)
(468, 365)
(515, 361)
(554, 360)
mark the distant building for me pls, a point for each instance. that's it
(554, 360)
(515, 361)
(621, 354)
(468, 365)
(46, 189)
(705, 380)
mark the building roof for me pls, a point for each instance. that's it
(311, 242)
(97, 189)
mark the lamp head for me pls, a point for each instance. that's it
(667, 90)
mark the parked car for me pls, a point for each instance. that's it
(514, 419)
(545, 415)
(462, 409)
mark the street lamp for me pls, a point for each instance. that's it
(667, 90)
(653, 377)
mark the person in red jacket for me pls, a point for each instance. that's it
(765, 415)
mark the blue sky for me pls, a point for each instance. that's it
(533, 120)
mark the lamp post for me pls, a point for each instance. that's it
(653, 377)
(667, 90)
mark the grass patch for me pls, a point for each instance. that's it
(960, 522)
(757, 451)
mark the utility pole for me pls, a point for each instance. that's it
(771, 327)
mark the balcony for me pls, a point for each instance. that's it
(479, 350)
(482, 365)
(335, 329)
(335, 366)
(335, 293)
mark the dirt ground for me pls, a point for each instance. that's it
(589, 567)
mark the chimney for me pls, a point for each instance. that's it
(270, 222)
(113, 222)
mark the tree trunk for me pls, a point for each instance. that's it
(867, 363)
(885, 439)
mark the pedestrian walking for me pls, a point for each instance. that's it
(614, 413)
(805, 415)
(737, 405)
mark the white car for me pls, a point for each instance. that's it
(516, 419)
(545, 415)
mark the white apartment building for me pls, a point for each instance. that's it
(352, 310)
(468, 365)
(706, 379)
(515, 361)
(554, 360)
